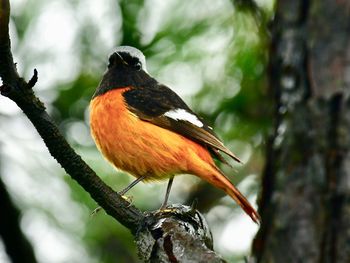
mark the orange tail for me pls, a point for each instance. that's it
(219, 180)
(214, 176)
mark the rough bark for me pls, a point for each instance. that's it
(177, 234)
(171, 236)
(305, 203)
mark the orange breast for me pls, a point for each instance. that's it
(137, 146)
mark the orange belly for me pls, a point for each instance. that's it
(137, 146)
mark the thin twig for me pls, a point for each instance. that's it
(33, 80)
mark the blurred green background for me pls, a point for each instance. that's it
(212, 53)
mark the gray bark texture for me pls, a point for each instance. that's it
(176, 234)
(305, 202)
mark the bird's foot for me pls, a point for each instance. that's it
(165, 208)
(95, 211)
(129, 199)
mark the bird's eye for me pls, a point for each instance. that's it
(138, 66)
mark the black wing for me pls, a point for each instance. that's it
(153, 104)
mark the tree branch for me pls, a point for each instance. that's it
(8, 70)
(176, 234)
(21, 93)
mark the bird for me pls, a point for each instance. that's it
(144, 128)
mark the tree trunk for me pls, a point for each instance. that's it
(305, 202)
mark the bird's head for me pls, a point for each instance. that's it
(127, 58)
(126, 68)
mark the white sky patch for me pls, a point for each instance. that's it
(184, 78)
(183, 115)
(237, 235)
(3, 256)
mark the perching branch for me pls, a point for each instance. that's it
(168, 236)
(18, 90)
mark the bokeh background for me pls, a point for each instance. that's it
(212, 53)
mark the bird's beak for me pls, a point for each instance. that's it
(116, 59)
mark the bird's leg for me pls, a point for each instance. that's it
(96, 210)
(122, 192)
(126, 189)
(170, 183)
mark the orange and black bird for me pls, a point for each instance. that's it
(144, 128)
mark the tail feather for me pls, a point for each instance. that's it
(243, 202)
(203, 166)
(220, 180)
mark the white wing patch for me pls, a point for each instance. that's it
(183, 115)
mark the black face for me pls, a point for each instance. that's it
(124, 60)
(123, 71)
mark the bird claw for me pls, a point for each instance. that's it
(165, 208)
(95, 211)
(129, 199)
